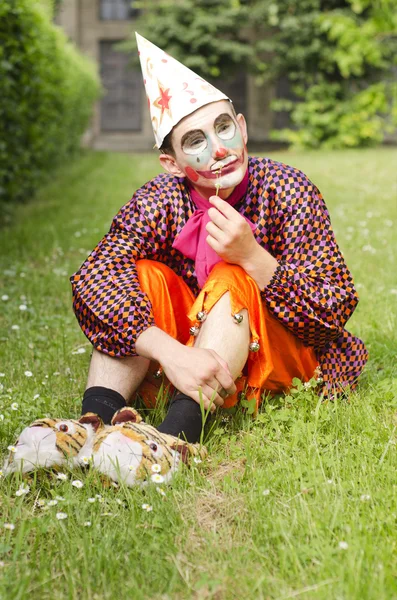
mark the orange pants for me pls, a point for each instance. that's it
(281, 355)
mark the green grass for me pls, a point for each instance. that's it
(330, 469)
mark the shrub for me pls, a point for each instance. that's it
(47, 90)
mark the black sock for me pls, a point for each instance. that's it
(103, 402)
(183, 419)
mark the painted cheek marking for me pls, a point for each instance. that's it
(192, 174)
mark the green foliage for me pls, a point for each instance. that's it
(204, 35)
(339, 57)
(47, 90)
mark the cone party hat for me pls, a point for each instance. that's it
(173, 91)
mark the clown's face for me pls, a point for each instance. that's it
(210, 149)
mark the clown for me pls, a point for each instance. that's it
(220, 274)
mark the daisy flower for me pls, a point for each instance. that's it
(91, 500)
(52, 502)
(23, 490)
(77, 484)
(11, 448)
(62, 476)
(9, 526)
(157, 478)
(23, 307)
(14, 406)
(147, 507)
(28, 374)
(87, 523)
(343, 545)
(61, 515)
(161, 491)
(156, 468)
(266, 492)
(197, 460)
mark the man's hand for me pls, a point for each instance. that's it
(232, 239)
(229, 233)
(197, 372)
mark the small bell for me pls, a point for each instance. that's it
(237, 318)
(254, 346)
(194, 330)
(158, 373)
(201, 316)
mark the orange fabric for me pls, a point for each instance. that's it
(281, 355)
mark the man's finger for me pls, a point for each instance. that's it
(225, 208)
(218, 218)
(215, 232)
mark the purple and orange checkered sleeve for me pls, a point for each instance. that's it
(108, 302)
(311, 291)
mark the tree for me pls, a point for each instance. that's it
(339, 57)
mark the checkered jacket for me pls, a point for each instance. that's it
(311, 291)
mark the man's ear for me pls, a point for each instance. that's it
(169, 163)
(243, 127)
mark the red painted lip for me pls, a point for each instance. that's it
(228, 169)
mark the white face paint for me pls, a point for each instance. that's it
(210, 148)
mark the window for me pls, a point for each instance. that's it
(116, 10)
(121, 103)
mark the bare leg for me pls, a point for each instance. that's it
(219, 332)
(123, 375)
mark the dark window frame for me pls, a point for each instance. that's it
(132, 13)
(135, 73)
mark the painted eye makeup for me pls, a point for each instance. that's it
(195, 145)
(226, 131)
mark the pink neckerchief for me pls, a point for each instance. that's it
(192, 239)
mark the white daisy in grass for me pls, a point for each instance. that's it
(15, 327)
(52, 502)
(343, 545)
(2, 374)
(61, 515)
(9, 526)
(79, 351)
(161, 491)
(156, 468)
(5, 297)
(62, 476)
(86, 460)
(77, 484)
(147, 507)
(330, 481)
(265, 492)
(197, 460)
(91, 500)
(23, 490)
(87, 523)
(119, 502)
(23, 307)
(11, 448)
(28, 374)
(60, 498)
(365, 497)
(14, 406)
(157, 478)
(40, 502)
(99, 498)
(36, 396)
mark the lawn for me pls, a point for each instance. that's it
(300, 503)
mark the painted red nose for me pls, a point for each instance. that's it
(221, 153)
